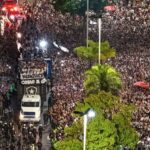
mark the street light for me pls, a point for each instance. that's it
(19, 35)
(99, 31)
(12, 17)
(87, 23)
(99, 39)
(43, 44)
(89, 113)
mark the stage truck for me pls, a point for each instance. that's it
(33, 88)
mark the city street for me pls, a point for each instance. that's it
(74, 75)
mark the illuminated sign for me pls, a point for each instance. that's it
(33, 81)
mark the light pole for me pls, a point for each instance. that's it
(89, 113)
(121, 147)
(99, 39)
(87, 23)
(99, 31)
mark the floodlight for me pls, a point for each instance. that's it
(4, 9)
(91, 113)
(19, 35)
(43, 44)
(12, 17)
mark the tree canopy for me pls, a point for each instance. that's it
(102, 77)
(108, 130)
(69, 144)
(79, 6)
(92, 51)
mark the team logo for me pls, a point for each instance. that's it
(32, 90)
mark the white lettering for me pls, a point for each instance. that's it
(37, 81)
(28, 82)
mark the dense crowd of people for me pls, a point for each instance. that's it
(134, 67)
(32, 69)
(133, 20)
(67, 87)
(8, 138)
(127, 30)
(20, 136)
(31, 137)
(129, 26)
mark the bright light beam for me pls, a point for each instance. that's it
(43, 44)
(19, 35)
(91, 113)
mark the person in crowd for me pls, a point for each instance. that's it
(40, 130)
(39, 145)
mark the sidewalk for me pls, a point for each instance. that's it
(46, 145)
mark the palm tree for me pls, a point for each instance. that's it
(102, 78)
(91, 52)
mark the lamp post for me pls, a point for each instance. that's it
(99, 31)
(99, 39)
(87, 23)
(84, 131)
(43, 45)
(89, 113)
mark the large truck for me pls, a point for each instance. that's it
(30, 108)
(33, 89)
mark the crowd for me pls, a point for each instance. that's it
(134, 67)
(31, 137)
(5, 69)
(133, 20)
(8, 138)
(67, 87)
(32, 69)
(20, 136)
(127, 30)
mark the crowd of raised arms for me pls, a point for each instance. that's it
(127, 29)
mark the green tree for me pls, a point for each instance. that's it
(68, 144)
(79, 6)
(102, 77)
(108, 130)
(92, 53)
(101, 133)
(116, 116)
(73, 137)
